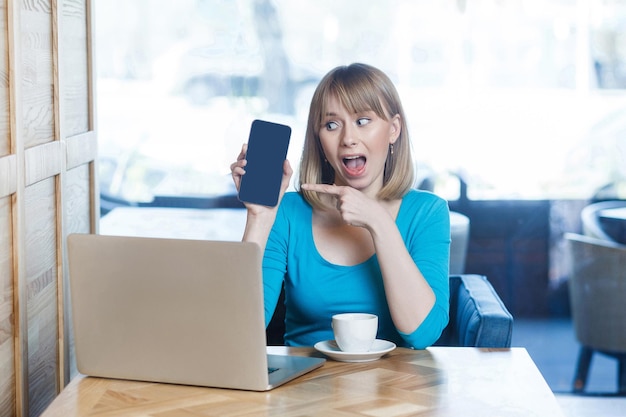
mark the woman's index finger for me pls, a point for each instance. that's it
(322, 188)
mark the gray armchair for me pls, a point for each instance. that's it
(478, 316)
(597, 290)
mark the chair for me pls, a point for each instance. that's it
(597, 290)
(591, 221)
(477, 316)
(459, 233)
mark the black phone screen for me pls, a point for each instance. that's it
(266, 154)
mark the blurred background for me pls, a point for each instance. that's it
(522, 99)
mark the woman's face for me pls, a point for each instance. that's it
(356, 145)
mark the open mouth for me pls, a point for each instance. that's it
(354, 164)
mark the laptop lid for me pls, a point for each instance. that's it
(172, 310)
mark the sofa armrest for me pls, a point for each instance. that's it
(478, 317)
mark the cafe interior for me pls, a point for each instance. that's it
(121, 118)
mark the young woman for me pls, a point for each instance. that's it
(355, 237)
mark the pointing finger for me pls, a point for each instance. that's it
(322, 188)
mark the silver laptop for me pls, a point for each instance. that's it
(175, 311)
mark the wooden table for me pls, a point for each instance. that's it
(438, 381)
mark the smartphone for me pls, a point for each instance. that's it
(267, 150)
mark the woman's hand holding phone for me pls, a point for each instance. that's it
(238, 170)
(262, 171)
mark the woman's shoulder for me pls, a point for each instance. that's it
(423, 197)
(293, 198)
(420, 208)
(294, 202)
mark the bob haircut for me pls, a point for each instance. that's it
(358, 87)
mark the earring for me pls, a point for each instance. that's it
(391, 148)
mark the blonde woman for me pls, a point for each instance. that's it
(355, 237)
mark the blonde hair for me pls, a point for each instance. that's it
(358, 87)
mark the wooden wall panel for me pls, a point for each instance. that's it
(7, 356)
(74, 67)
(77, 131)
(8, 175)
(43, 161)
(41, 293)
(77, 194)
(8, 186)
(36, 72)
(5, 131)
(81, 149)
(48, 189)
(77, 220)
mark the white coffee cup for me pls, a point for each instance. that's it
(355, 332)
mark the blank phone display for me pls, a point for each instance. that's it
(267, 151)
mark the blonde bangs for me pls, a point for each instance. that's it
(357, 97)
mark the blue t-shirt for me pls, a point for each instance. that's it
(316, 289)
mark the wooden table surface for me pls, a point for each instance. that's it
(438, 381)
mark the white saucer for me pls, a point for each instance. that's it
(379, 348)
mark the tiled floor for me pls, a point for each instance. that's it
(553, 347)
(575, 406)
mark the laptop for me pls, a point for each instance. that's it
(174, 311)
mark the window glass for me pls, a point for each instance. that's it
(518, 98)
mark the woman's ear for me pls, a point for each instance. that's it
(395, 129)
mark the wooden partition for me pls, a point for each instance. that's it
(48, 189)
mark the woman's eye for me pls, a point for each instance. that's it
(331, 125)
(362, 121)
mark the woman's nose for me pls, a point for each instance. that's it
(349, 137)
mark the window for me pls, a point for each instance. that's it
(520, 98)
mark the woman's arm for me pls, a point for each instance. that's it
(409, 296)
(260, 218)
(415, 269)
